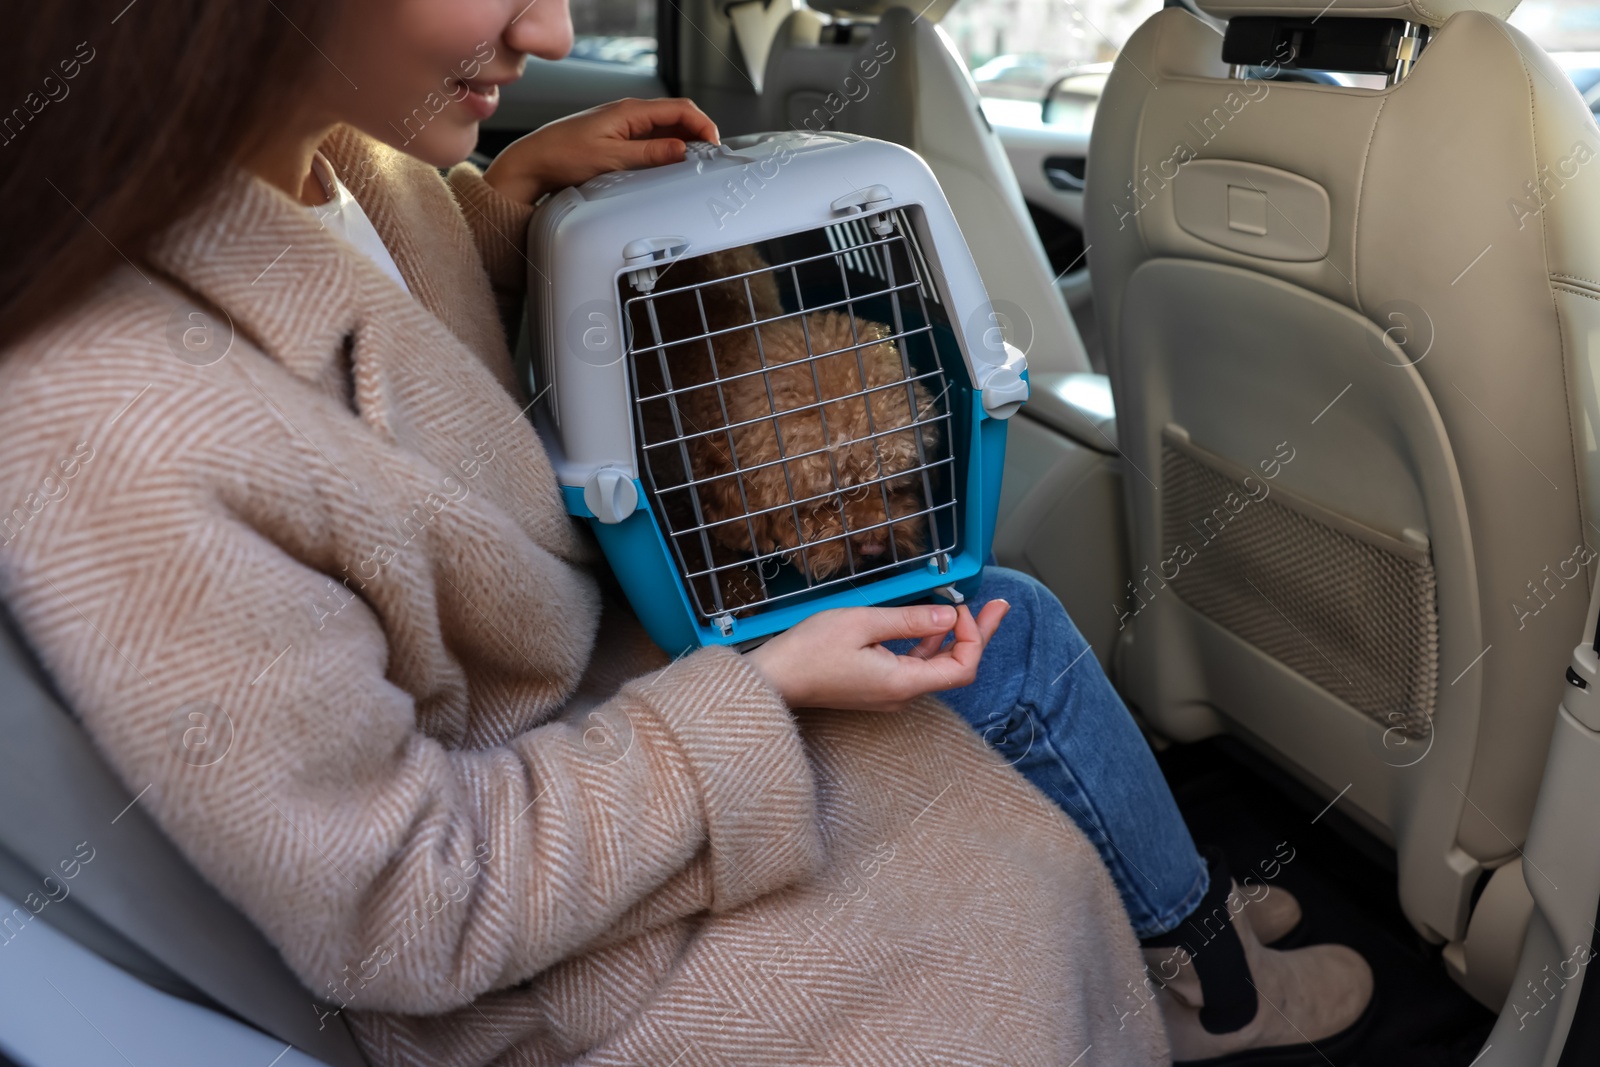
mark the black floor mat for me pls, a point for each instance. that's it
(1345, 882)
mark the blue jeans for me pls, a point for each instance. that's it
(1043, 702)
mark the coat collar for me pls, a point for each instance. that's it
(309, 299)
(269, 265)
(284, 279)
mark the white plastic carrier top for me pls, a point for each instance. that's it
(746, 190)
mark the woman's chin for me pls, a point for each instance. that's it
(446, 141)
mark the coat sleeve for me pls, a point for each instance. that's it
(393, 873)
(500, 229)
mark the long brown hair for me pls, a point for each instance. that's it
(117, 117)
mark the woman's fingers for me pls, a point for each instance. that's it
(623, 135)
(987, 622)
(836, 659)
(655, 152)
(935, 674)
(655, 131)
(971, 638)
(967, 648)
(647, 117)
(990, 617)
(877, 625)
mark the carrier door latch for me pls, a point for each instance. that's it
(611, 495)
(641, 257)
(1004, 391)
(941, 564)
(868, 201)
(1000, 380)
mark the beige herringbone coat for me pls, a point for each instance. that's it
(255, 481)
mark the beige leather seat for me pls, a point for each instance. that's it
(906, 84)
(1352, 337)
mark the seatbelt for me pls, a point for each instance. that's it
(57, 794)
(755, 23)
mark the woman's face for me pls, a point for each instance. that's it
(421, 74)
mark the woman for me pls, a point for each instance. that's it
(260, 417)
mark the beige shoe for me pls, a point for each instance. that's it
(1233, 1001)
(1271, 911)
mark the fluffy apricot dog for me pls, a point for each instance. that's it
(813, 461)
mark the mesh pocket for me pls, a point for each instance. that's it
(1357, 619)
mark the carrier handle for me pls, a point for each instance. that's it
(703, 152)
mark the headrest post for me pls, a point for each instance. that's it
(1431, 13)
(1412, 41)
(1386, 47)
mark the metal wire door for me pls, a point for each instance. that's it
(789, 441)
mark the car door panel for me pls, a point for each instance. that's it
(1061, 520)
(1032, 151)
(1049, 163)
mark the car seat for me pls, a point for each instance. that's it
(1350, 333)
(906, 84)
(135, 904)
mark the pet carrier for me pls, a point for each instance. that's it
(770, 378)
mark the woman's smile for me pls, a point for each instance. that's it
(481, 99)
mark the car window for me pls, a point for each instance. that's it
(1560, 25)
(1570, 31)
(1018, 49)
(1018, 75)
(610, 32)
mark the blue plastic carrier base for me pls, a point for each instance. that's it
(635, 550)
(681, 317)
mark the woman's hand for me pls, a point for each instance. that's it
(624, 135)
(836, 659)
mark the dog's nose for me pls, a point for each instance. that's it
(871, 549)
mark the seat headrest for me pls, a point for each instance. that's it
(869, 9)
(1427, 12)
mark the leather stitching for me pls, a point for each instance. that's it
(1355, 227)
(1555, 306)
(1422, 9)
(1586, 294)
(1575, 278)
(1138, 134)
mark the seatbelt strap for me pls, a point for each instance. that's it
(57, 794)
(755, 23)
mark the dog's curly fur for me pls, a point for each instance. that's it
(852, 432)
